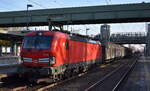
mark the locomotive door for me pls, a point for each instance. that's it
(67, 50)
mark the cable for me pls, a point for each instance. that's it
(37, 4)
(110, 1)
(106, 2)
(55, 1)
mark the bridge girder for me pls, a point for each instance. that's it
(139, 12)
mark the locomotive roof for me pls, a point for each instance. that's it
(78, 37)
(82, 39)
(72, 36)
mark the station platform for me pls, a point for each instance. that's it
(9, 60)
(139, 78)
(9, 64)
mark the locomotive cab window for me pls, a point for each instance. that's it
(37, 42)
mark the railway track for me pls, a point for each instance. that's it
(61, 82)
(75, 82)
(118, 85)
(41, 86)
(24, 86)
(21, 85)
(113, 80)
(76, 85)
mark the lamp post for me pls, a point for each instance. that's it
(28, 5)
(87, 29)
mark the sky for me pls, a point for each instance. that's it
(10, 5)
(17, 5)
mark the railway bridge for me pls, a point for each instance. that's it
(125, 37)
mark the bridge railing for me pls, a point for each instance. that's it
(129, 37)
(128, 34)
(10, 60)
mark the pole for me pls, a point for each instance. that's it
(49, 25)
(27, 18)
(28, 5)
(87, 31)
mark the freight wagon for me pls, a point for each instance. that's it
(113, 51)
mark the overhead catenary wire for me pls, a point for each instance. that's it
(55, 2)
(36, 3)
(107, 2)
(110, 1)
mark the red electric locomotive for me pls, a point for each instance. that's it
(56, 54)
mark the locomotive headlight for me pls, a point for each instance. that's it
(40, 34)
(24, 59)
(52, 60)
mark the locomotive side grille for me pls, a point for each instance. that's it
(27, 59)
(44, 60)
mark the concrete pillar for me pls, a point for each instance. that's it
(148, 41)
(5, 50)
(145, 50)
(0, 50)
(105, 33)
(14, 49)
(104, 37)
(129, 45)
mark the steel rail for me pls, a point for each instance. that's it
(105, 77)
(109, 75)
(60, 82)
(124, 76)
